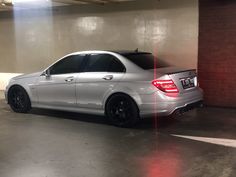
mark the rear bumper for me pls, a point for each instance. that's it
(164, 105)
(176, 111)
(188, 107)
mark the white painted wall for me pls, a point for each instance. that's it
(32, 39)
(5, 77)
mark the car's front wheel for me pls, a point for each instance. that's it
(18, 99)
(122, 111)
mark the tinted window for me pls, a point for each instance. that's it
(70, 64)
(103, 63)
(145, 60)
(116, 66)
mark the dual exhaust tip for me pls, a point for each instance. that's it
(181, 111)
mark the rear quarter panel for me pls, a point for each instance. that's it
(134, 85)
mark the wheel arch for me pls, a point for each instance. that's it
(17, 85)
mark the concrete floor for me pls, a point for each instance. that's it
(59, 144)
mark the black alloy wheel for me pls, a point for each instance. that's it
(18, 99)
(122, 111)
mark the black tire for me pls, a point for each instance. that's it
(18, 99)
(122, 111)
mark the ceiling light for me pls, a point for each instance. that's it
(27, 1)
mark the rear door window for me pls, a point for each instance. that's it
(103, 63)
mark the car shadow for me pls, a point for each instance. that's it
(156, 123)
(146, 123)
(70, 115)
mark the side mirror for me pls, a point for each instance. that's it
(46, 73)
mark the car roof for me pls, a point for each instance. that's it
(120, 52)
(129, 52)
(123, 53)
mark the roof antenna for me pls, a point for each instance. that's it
(136, 50)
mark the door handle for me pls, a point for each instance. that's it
(69, 79)
(108, 77)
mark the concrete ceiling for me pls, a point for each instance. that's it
(6, 5)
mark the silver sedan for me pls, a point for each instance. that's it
(123, 85)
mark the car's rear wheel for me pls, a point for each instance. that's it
(122, 111)
(19, 100)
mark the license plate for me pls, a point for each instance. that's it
(187, 83)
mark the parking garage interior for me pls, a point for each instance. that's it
(195, 34)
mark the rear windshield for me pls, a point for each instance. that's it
(145, 60)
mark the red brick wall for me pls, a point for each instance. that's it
(217, 51)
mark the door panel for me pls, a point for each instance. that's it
(58, 87)
(91, 88)
(100, 75)
(57, 90)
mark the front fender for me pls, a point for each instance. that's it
(27, 84)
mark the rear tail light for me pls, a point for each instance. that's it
(167, 86)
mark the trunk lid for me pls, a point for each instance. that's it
(184, 79)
